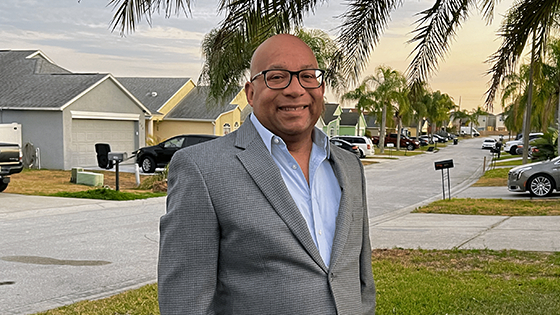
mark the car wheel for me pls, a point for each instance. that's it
(148, 164)
(513, 150)
(362, 155)
(410, 147)
(3, 187)
(540, 185)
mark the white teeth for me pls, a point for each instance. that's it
(292, 108)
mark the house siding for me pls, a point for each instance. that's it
(44, 128)
(168, 128)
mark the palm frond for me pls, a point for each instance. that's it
(436, 27)
(128, 13)
(525, 18)
(363, 24)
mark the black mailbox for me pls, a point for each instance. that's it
(440, 165)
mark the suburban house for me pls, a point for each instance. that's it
(195, 114)
(65, 114)
(331, 119)
(352, 123)
(159, 95)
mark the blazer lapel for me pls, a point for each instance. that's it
(344, 218)
(261, 167)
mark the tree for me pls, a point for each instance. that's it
(388, 85)
(462, 115)
(438, 107)
(417, 98)
(363, 95)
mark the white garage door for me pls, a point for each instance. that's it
(119, 134)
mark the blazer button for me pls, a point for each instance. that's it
(331, 277)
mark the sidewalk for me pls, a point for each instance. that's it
(445, 231)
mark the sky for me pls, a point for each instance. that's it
(77, 36)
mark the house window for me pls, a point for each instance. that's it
(227, 129)
(332, 132)
(235, 126)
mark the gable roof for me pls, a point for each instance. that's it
(193, 106)
(329, 113)
(29, 80)
(349, 118)
(154, 93)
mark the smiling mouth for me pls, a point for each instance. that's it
(293, 108)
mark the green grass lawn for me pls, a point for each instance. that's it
(418, 282)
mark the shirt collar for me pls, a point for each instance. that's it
(320, 139)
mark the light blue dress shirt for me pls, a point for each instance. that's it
(317, 201)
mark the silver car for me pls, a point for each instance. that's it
(539, 178)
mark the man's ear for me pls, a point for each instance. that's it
(249, 92)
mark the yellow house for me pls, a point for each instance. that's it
(159, 95)
(193, 115)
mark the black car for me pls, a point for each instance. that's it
(159, 155)
(346, 146)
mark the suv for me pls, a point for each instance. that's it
(406, 142)
(159, 155)
(512, 146)
(365, 146)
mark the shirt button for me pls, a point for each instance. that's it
(294, 167)
(320, 232)
(276, 140)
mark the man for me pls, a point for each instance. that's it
(268, 219)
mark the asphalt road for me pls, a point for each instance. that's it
(57, 251)
(396, 185)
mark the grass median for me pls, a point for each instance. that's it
(418, 282)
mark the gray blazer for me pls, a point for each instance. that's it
(234, 242)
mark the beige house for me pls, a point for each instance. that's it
(194, 115)
(178, 106)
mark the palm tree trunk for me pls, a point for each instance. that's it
(527, 118)
(382, 133)
(399, 127)
(558, 135)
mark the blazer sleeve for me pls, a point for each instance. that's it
(189, 242)
(366, 274)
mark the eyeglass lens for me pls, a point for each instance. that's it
(279, 79)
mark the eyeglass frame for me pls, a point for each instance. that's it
(292, 73)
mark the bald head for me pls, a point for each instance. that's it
(281, 45)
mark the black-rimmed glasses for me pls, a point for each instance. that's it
(277, 79)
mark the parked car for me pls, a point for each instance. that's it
(159, 155)
(489, 143)
(364, 144)
(10, 162)
(422, 141)
(441, 139)
(346, 146)
(406, 142)
(512, 146)
(539, 178)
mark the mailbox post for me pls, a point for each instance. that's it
(444, 165)
(117, 157)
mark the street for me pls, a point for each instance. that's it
(57, 251)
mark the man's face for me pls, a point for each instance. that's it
(291, 112)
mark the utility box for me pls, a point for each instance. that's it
(89, 178)
(11, 133)
(74, 177)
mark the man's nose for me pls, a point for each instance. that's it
(294, 87)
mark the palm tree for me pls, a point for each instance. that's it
(462, 115)
(388, 85)
(363, 95)
(417, 98)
